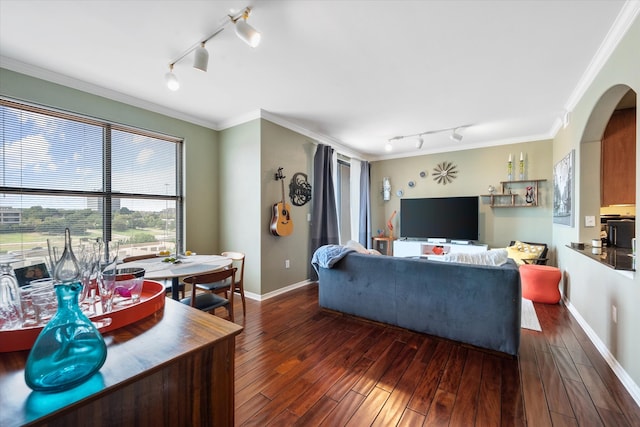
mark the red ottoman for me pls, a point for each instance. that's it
(540, 283)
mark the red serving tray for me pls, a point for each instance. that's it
(151, 300)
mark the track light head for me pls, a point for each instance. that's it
(246, 32)
(172, 81)
(388, 147)
(419, 142)
(455, 136)
(201, 58)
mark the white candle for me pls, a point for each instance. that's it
(521, 158)
(509, 156)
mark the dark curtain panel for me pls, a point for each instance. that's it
(364, 232)
(324, 217)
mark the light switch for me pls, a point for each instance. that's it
(589, 221)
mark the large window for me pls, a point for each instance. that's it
(99, 179)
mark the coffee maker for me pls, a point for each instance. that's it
(617, 230)
(620, 233)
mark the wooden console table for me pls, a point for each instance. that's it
(173, 368)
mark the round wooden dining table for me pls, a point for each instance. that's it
(157, 269)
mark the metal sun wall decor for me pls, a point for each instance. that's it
(299, 189)
(444, 173)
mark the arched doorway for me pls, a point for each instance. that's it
(617, 97)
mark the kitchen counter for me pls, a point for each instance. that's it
(616, 258)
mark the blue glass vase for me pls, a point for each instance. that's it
(69, 350)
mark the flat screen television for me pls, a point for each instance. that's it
(454, 218)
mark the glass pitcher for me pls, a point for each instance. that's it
(70, 349)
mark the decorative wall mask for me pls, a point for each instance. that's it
(444, 172)
(299, 189)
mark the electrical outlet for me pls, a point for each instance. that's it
(287, 264)
(614, 314)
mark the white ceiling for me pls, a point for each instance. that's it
(351, 73)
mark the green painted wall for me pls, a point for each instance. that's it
(477, 169)
(240, 198)
(592, 288)
(201, 151)
(284, 148)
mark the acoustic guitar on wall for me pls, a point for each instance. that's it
(281, 222)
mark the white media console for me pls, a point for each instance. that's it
(433, 249)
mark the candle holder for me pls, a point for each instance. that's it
(509, 170)
(521, 169)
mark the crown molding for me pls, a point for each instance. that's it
(621, 25)
(71, 82)
(318, 137)
(285, 123)
(239, 120)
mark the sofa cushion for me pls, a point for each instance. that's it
(521, 251)
(491, 257)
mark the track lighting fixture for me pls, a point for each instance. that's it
(455, 136)
(244, 31)
(420, 142)
(171, 79)
(201, 58)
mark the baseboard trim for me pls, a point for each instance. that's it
(257, 297)
(622, 375)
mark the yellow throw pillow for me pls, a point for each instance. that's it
(521, 251)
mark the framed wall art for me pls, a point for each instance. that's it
(563, 190)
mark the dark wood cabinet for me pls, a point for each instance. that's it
(618, 159)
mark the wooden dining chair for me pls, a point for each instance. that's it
(219, 287)
(209, 301)
(167, 282)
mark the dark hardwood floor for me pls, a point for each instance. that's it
(299, 365)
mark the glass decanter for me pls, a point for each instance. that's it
(70, 349)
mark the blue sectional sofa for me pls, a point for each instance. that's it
(475, 304)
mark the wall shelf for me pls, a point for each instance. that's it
(513, 199)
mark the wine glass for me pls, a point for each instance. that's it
(53, 258)
(107, 273)
(10, 308)
(89, 263)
